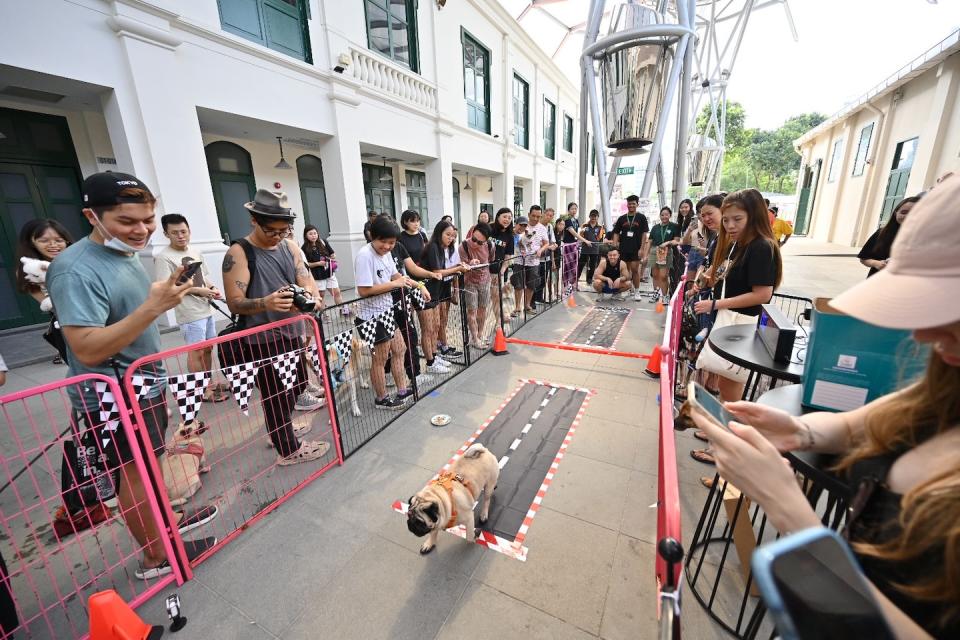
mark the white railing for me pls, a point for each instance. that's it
(383, 75)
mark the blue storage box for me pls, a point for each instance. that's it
(849, 362)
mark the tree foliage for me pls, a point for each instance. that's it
(759, 158)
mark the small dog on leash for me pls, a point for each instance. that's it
(348, 376)
(185, 461)
(449, 500)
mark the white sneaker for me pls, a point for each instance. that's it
(618, 297)
(438, 366)
(314, 390)
(438, 359)
(424, 378)
(637, 296)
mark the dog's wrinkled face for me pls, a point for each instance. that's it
(422, 516)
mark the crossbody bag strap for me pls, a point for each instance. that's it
(240, 321)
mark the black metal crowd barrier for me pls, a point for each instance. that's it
(467, 319)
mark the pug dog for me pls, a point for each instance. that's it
(448, 500)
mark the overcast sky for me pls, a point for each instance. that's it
(845, 47)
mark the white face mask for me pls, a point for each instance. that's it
(110, 241)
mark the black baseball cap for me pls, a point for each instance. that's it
(103, 189)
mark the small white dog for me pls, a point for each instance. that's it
(449, 500)
(349, 375)
(35, 272)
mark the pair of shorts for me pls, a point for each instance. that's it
(115, 445)
(525, 277)
(198, 330)
(477, 294)
(630, 256)
(329, 283)
(380, 334)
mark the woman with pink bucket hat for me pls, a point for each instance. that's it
(900, 453)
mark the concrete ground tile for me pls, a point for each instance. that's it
(647, 454)
(620, 406)
(639, 511)
(606, 441)
(281, 568)
(208, 615)
(566, 572)
(637, 384)
(386, 592)
(589, 490)
(630, 613)
(454, 553)
(487, 614)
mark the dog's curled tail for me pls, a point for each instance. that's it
(474, 450)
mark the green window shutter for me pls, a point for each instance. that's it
(549, 129)
(280, 25)
(242, 17)
(521, 112)
(567, 133)
(392, 30)
(476, 83)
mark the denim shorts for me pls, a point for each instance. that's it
(198, 330)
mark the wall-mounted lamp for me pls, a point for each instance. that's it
(283, 164)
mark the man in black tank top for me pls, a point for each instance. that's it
(257, 294)
(612, 276)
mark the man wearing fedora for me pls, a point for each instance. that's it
(257, 272)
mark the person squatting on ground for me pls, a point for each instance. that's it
(630, 236)
(875, 253)
(477, 250)
(42, 240)
(407, 267)
(747, 269)
(593, 234)
(438, 257)
(194, 314)
(900, 454)
(108, 307)
(664, 236)
(612, 275)
(376, 275)
(322, 262)
(259, 294)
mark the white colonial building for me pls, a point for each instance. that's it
(382, 104)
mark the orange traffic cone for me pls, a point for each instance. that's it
(660, 306)
(499, 343)
(653, 363)
(571, 302)
(112, 619)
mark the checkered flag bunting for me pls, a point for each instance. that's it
(341, 342)
(368, 331)
(188, 389)
(142, 386)
(387, 320)
(242, 378)
(416, 299)
(286, 366)
(315, 359)
(109, 410)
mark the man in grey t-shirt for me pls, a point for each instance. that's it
(108, 308)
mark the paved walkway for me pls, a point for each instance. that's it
(336, 561)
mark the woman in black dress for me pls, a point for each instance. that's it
(876, 251)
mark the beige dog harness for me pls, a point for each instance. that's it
(446, 481)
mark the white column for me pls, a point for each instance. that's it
(345, 202)
(439, 174)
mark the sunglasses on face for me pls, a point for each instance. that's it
(478, 241)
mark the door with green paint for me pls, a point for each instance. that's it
(232, 180)
(313, 193)
(378, 189)
(899, 176)
(29, 192)
(808, 193)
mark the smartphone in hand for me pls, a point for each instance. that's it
(703, 401)
(189, 272)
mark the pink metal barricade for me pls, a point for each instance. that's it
(669, 552)
(57, 463)
(233, 454)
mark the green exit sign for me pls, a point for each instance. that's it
(624, 171)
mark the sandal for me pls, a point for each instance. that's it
(702, 455)
(707, 481)
(700, 435)
(515, 314)
(307, 451)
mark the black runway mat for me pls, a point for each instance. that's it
(599, 328)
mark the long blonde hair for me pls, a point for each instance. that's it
(929, 512)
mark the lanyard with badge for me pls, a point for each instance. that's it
(630, 224)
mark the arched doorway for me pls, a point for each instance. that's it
(231, 176)
(456, 203)
(313, 193)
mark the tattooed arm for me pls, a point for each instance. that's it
(304, 277)
(236, 279)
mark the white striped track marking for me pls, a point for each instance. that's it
(514, 548)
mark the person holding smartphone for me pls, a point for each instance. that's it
(899, 453)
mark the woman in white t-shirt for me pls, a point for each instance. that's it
(376, 276)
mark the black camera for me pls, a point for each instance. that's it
(302, 299)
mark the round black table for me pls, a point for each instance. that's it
(740, 344)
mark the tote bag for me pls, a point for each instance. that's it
(709, 359)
